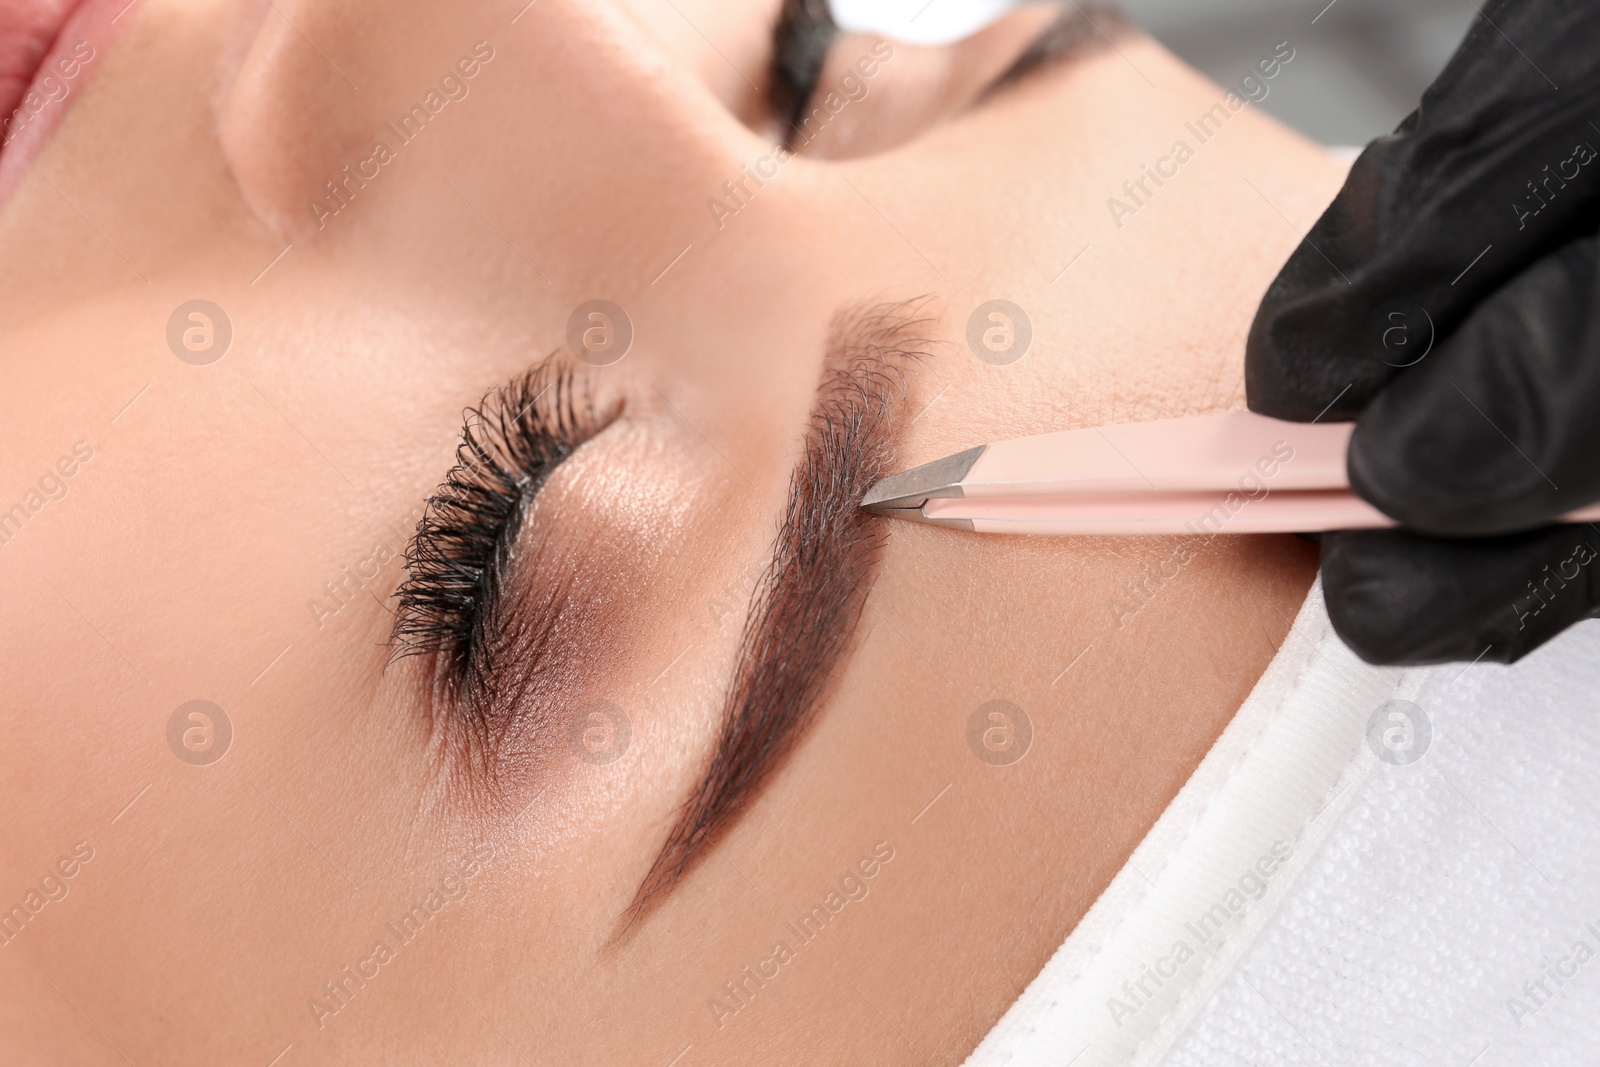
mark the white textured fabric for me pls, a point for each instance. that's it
(1452, 887)
(1303, 901)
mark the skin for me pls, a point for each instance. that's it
(180, 563)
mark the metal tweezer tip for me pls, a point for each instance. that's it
(909, 490)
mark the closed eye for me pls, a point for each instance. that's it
(460, 558)
(814, 64)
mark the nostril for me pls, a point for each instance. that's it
(290, 109)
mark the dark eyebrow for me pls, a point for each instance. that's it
(1081, 30)
(804, 611)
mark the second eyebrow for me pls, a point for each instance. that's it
(1078, 31)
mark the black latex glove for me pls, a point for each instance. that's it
(1449, 301)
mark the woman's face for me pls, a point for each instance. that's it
(628, 764)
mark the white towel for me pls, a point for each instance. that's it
(1371, 866)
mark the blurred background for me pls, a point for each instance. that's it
(1358, 69)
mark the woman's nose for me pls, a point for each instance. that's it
(557, 123)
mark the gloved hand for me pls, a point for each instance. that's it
(1449, 301)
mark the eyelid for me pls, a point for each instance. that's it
(893, 96)
(458, 558)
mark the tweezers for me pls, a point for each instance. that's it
(1237, 472)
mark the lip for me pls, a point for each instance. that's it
(73, 30)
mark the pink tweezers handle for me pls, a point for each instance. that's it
(1237, 472)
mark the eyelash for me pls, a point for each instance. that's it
(511, 443)
(794, 71)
